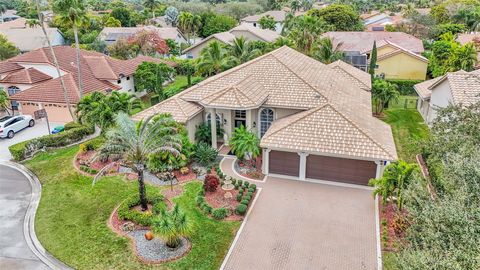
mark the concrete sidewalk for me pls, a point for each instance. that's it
(15, 194)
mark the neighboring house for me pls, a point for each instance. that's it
(10, 15)
(378, 21)
(111, 34)
(250, 33)
(30, 38)
(471, 37)
(398, 54)
(315, 121)
(278, 16)
(456, 88)
(32, 82)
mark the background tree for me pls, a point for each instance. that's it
(305, 31)
(3, 9)
(295, 5)
(148, 42)
(122, 49)
(152, 5)
(326, 53)
(217, 23)
(189, 24)
(112, 22)
(267, 22)
(72, 13)
(373, 61)
(339, 17)
(135, 143)
(123, 15)
(7, 49)
(150, 77)
(186, 68)
(171, 16)
(4, 102)
(383, 93)
(242, 51)
(213, 59)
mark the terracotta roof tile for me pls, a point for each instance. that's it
(360, 78)
(180, 110)
(26, 76)
(7, 66)
(422, 88)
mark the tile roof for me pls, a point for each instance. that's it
(358, 77)
(28, 39)
(278, 16)
(264, 34)
(398, 49)
(363, 41)
(7, 66)
(112, 34)
(326, 130)
(464, 86)
(422, 88)
(26, 76)
(243, 95)
(181, 110)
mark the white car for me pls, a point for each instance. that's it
(9, 125)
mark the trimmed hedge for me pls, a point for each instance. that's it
(22, 150)
(126, 212)
(405, 87)
(241, 209)
(220, 213)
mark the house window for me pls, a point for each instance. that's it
(12, 90)
(209, 117)
(240, 118)
(266, 119)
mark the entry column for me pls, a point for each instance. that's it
(303, 165)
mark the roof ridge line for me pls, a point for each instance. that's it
(181, 107)
(302, 79)
(28, 75)
(351, 75)
(307, 113)
(360, 129)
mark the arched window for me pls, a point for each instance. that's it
(12, 90)
(266, 118)
(209, 118)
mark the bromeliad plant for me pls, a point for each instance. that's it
(172, 226)
(134, 143)
(245, 144)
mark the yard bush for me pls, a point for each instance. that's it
(72, 125)
(241, 191)
(219, 213)
(22, 150)
(205, 154)
(241, 209)
(253, 186)
(88, 169)
(236, 186)
(245, 201)
(240, 182)
(246, 184)
(405, 87)
(199, 200)
(250, 189)
(239, 197)
(211, 183)
(126, 211)
(247, 197)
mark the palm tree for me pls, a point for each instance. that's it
(288, 23)
(136, 143)
(3, 9)
(242, 51)
(383, 93)
(295, 6)
(152, 5)
(305, 31)
(186, 22)
(245, 143)
(172, 226)
(409, 10)
(213, 59)
(326, 53)
(41, 23)
(72, 12)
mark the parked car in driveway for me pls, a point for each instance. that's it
(9, 125)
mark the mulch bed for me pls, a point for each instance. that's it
(97, 165)
(217, 200)
(393, 224)
(252, 172)
(183, 178)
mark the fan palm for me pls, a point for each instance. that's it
(245, 143)
(326, 52)
(242, 52)
(72, 13)
(41, 23)
(171, 226)
(305, 31)
(135, 143)
(189, 23)
(213, 59)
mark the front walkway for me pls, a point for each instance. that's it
(302, 225)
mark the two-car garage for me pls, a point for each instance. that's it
(319, 167)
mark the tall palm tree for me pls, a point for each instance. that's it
(152, 5)
(135, 143)
(326, 53)
(41, 23)
(305, 31)
(189, 24)
(295, 5)
(242, 51)
(72, 12)
(288, 23)
(213, 59)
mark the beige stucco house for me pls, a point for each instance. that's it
(32, 82)
(250, 33)
(314, 120)
(454, 88)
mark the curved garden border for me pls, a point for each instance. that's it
(28, 222)
(230, 170)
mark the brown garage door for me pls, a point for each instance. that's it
(340, 169)
(284, 163)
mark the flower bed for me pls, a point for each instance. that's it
(393, 226)
(226, 204)
(246, 169)
(129, 210)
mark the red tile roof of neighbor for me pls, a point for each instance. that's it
(26, 76)
(97, 70)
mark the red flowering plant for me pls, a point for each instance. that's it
(211, 183)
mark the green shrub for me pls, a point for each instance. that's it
(219, 213)
(72, 125)
(206, 208)
(239, 197)
(126, 212)
(236, 186)
(245, 201)
(253, 186)
(205, 154)
(241, 209)
(240, 182)
(199, 200)
(20, 151)
(247, 197)
(250, 189)
(405, 87)
(246, 184)
(234, 181)
(241, 191)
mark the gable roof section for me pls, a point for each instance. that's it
(7, 66)
(423, 90)
(116, 33)
(464, 86)
(263, 34)
(278, 16)
(244, 95)
(28, 39)
(181, 110)
(360, 78)
(397, 50)
(26, 76)
(363, 41)
(326, 130)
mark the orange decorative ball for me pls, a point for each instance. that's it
(149, 235)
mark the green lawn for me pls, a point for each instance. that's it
(408, 127)
(71, 220)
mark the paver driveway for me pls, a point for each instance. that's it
(302, 225)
